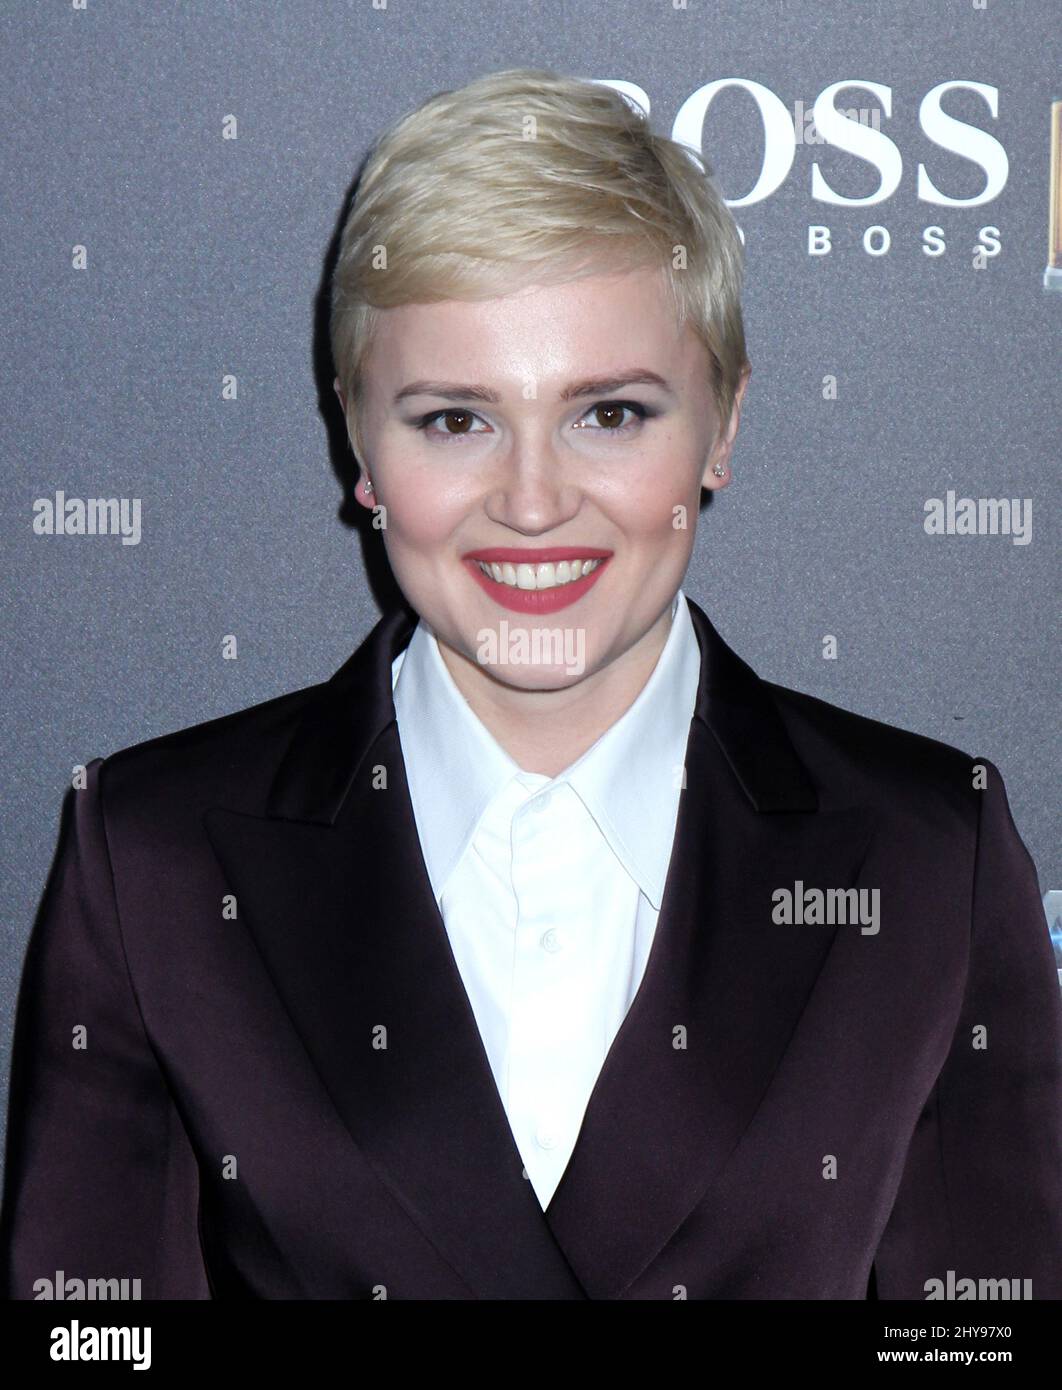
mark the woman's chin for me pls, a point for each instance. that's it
(541, 679)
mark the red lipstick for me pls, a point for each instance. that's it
(543, 555)
(538, 601)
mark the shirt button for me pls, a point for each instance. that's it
(552, 940)
(542, 803)
(545, 1138)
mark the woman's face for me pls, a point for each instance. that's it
(514, 430)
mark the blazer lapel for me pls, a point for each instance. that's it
(332, 885)
(724, 986)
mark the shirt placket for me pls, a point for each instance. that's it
(552, 1038)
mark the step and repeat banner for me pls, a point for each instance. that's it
(180, 536)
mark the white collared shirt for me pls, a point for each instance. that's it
(549, 888)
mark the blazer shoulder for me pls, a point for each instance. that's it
(851, 754)
(230, 760)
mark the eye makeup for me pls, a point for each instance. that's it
(640, 411)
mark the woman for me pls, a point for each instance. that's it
(545, 951)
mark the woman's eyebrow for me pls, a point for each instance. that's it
(588, 386)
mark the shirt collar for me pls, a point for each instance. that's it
(454, 766)
(629, 780)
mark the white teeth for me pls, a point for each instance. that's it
(547, 576)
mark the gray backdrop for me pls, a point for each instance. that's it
(205, 257)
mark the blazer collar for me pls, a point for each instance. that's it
(337, 900)
(343, 719)
(352, 709)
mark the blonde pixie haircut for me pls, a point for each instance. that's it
(524, 177)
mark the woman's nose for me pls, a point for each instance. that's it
(533, 490)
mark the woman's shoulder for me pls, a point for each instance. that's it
(855, 758)
(230, 760)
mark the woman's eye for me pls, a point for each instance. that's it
(607, 414)
(463, 419)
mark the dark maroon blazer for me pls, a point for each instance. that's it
(829, 1130)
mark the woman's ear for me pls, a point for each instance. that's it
(365, 498)
(717, 469)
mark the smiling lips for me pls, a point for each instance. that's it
(536, 581)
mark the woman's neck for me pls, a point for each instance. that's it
(545, 731)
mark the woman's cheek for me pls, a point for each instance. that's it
(420, 515)
(670, 516)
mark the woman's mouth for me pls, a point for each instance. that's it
(536, 581)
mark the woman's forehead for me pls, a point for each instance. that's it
(552, 328)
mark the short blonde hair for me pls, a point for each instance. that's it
(526, 177)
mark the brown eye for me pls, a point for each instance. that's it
(611, 416)
(440, 426)
(464, 417)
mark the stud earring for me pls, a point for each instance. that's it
(719, 470)
(368, 485)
